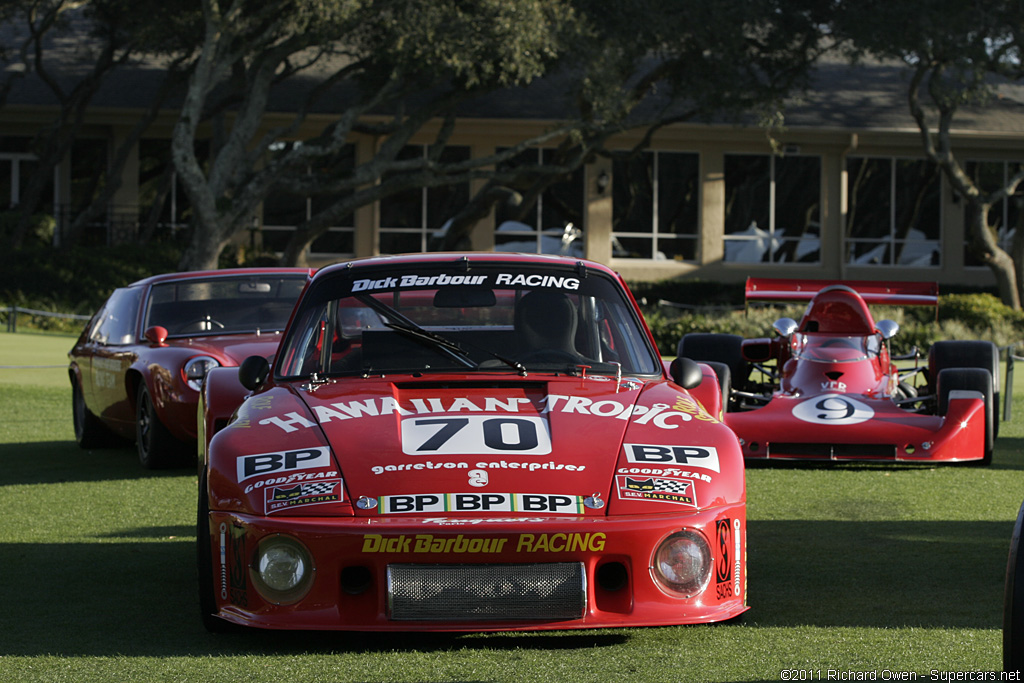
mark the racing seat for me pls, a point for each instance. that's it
(837, 309)
(546, 320)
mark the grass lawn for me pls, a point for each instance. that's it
(854, 568)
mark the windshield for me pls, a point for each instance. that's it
(832, 348)
(439, 317)
(223, 304)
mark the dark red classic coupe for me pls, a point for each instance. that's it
(137, 368)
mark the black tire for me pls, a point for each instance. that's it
(89, 431)
(204, 566)
(157, 447)
(968, 354)
(1013, 602)
(717, 348)
(969, 379)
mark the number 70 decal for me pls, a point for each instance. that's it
(475, 434)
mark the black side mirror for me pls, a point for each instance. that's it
(685, 372)
(253, 371)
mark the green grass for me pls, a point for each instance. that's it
(852, 568)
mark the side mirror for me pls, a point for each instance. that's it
(686, 373)
(887, 328)
(156, 335)
(784, 327)
(758, 350)
(253, 372)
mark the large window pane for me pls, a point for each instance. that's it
(404, 209)
(410, 218)
(656, 206)
(552, 224)
(894, 212)
(283, 211)
(772, 210)
(917, 221)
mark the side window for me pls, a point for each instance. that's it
(118, 317)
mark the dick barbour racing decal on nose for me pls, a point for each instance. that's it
(661, 415)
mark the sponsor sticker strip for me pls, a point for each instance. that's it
(480, 502)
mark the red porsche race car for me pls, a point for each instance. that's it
(137, 367)
(468, 442)
(826, 388)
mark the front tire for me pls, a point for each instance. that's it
(967, 354)
(970, 379)
(157, 447)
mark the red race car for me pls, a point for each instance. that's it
(137, 367)
(826, 388)
(453, 442)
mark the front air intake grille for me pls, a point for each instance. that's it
(839, 451)
(479, 592)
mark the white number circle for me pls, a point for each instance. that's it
(833, 409)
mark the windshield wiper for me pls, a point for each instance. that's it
(410, 329)
(436, 341)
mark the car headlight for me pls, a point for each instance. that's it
(196, 368)
(682, 563)
(282, 570)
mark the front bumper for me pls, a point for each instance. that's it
(365, 570)
(774, 432)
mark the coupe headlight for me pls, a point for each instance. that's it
(283, 570)
(682, 563)
(196, 368)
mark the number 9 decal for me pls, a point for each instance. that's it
(833, 409)
(475, 434)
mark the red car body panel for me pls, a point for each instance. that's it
(378, 473)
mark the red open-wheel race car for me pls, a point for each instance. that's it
(826, 388)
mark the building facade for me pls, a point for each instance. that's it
(842, 191)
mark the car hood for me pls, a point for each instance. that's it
(554, 445)
(230, 349)
(532, 437)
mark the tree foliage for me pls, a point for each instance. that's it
(634, 65)
(388, 70)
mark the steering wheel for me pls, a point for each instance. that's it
(549, 356)
(202, 324)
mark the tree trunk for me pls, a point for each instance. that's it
(984, 245)
(203, 251)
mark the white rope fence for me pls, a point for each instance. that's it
(13, 311)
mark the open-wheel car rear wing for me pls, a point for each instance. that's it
(873, 292)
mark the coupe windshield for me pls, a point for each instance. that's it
(223, 305)
(445, 318)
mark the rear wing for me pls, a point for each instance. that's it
(873, 292)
